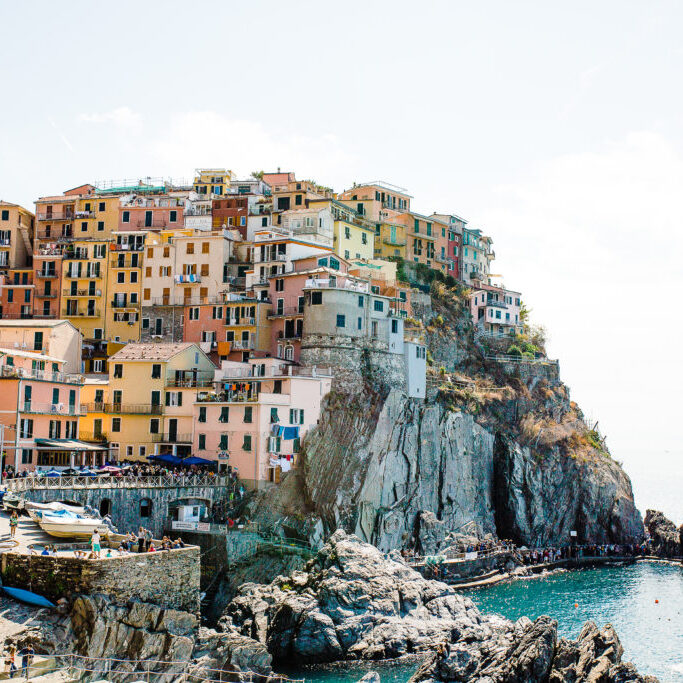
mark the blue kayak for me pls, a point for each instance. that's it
(27, 597)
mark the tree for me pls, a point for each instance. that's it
(258, 175)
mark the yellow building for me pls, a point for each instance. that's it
(247, 329)
(95, 217)
(391, 240)
(145, 405)
(84, 286)
(124, 286)
(353, 235)
(212, 181)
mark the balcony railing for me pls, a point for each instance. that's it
(56, 216)
(272, 373)
(82, 292)
(51, 408)
(206, 381)
(91, 313)
(54, 236)
(232, 322)
(171, 438)
(243, 344)
(11, 372)
(188, 279)
(124, 408)
(362, 287)
(46, 295)
(127, 246)
(496, 304)
(285, 311)
(160, 222)
(394, 241)
(98, 437)
(118, 303)
(184, 301)
(78, 275)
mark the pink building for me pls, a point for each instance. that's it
(495, 310)
(257, 415)
(39, 410)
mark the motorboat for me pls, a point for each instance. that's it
(37, 510)
(67, 526)
(12, 502)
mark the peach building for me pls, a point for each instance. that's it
(47, 277)
(40, 406)
(151, 213)
(16, 294)
(16, 232)
(257, 415)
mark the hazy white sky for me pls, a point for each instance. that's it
(556, 128)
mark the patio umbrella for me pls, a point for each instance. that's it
(196, 460)
(69, 471)
(87, 473)
(109, 469)
(53, 473)
(166, 457)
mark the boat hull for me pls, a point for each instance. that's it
(27, 597)
(67, 530)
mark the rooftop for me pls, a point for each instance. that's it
(33, 323)
(30, 354)
(160, 351)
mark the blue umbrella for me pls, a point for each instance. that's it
(168, 458)
(196, 460)
(87, 473)
(53, 473)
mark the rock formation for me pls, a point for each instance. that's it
(527, 652)
(665, 539)
(497, 447)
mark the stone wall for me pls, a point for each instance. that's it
(167, 579)
(172, 330)
(125, 502)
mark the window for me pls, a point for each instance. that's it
(156, 370)
(129, 451)
(225, 414)
(116, 424)
(394, 326)
(154, 425)
(205, 247)
(201, 442)
(172, 216)
(194, 314)
(145, 507)
(10, 296)
(346, 254)
(341, 320)
(84, 226)
(347, 233)
(217, 312)
(202, 414)
(26, 429)
(98, 365)
(189, 248)
(316, 298)
(26, 453)
(125, 217)
(248, 413)
(121, 277)
(142, 450)
(297, 199)
(296, 416)
(5, 214)
(364, 238)
(223, 442)
(360, 323)
(279, 285)
(118, 370)
(274, 416)
(246, 444)
(378, 305)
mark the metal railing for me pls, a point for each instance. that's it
(190, 381)
(242, 344)
(286, 310)
(81, 292)
(119, 303)
(55, 216)
(11, 372)
(114, 482)
(286, 371)
(123, 408)
(51, 408)
(518, 359)
(93, 436)
(94, 313)
(167, 437)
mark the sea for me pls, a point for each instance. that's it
(644, 603)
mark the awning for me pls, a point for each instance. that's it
(67, 445)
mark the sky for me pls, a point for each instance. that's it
(555, 128)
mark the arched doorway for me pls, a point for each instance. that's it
(105, 507)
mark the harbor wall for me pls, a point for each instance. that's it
(169, 579)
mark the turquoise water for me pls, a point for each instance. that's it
(651, 634)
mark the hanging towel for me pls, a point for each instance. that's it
(288, 433)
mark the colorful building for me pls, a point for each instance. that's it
(476, 255)
(257, 415)
(146, 405)
(16, 234)
(16, 293)
(496, 310)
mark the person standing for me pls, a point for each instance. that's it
(10, 665)
(95, 543)
(26, 660)
(13, 522)
(141, 540)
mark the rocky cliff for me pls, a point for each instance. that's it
(497, 447)
(665, 539)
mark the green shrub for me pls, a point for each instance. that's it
(514, 350)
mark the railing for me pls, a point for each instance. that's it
(184, 279)
(123, 408)
(185, 301)
(56, 216)
(190, 381)
(496, 304)
(81, 255)
(90, 668)
(84, 214)
(286, 310)
(242, 344)
(517, 359)
(286, 371)
(31, 483)
(46, 295)
(50, 235)
(171, 438)
(116, 262)
(118, 303)
(362, 287)
(230, 322)
(51, 408)
(127, 246)
(81, 292)
(11, 372)
(93, 436)
(94, 313)
(161, 222)
(78, 275)
(394, 242)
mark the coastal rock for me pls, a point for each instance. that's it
(352, 603)
(529, 652)
(370, 677)
(665, 539)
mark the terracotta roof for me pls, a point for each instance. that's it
(152, 351)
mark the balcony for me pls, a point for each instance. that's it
(77, 255)
(17, 316)
(243, 344)
(496, 304)
(46, 295)
(46, 274)
(51, 408)
(288, 336)
(124, 408)
(242, 322)
(118, 303)
(190, 381)
(11, 372)
(188, 279)
(56, 216)
(127, 246)
(285, 311)
(171, 438)
(353, 285)
(64, 236)
(91, 313)
(78, 275)
(97, 437)
(84, 214)
(160, 222)
(81, 292)
(184, 301)
(394, 241)
(126, 262)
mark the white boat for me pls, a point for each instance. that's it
(37, 510)
(72, 527)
